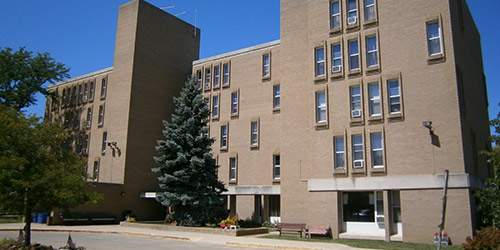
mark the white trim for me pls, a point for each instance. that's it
(253, 190)
(237, 52)
(394, 183)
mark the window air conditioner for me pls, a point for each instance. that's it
(352, 20)
(358, 163)
(356, 113)
(336, 69)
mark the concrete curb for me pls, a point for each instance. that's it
(103, 232)
(268, 246)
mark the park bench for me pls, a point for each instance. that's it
(318, 230)
(291, 228)
(74, 219)
(101, 218)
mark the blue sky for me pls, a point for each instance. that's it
(81, 33)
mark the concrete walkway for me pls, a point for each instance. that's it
(243, 241)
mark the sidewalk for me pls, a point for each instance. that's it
(243, 241)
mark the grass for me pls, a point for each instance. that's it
(371, 244)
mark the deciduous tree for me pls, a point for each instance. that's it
(36, 169)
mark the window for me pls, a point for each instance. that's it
(100, 119)
(276, 96)
(64, 99)
(198, 78)
(215, 106)
(104, 141)
(321, 106)
(358, 207)
(266, 65)
(206, 100)
(89, 117)
(232, 169)
(73, 95)
(357, 151)
(352, 12)
(207, 78)
(223, 137)
(371, 52)
(103, 87)
(86, 92)
(216, 76)
(336, 58)
(276, 167)
(356, 110)
(374, 94)
(76, 119)
(370, 12)
(225, 72)
(434, 38)
(91, 91)
(353, 55)
(320, 61)
(234, 103)
(95, 173)
(335, 15)
(86, 144)
(80, 93)
(377, 150)
(394, 97)
(339, 150)
(254, 137)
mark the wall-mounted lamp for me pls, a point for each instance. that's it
(112, 144)
(428, 124)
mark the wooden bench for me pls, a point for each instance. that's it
(101, 218)
(291, 228)
(318, 230)
(73, 219)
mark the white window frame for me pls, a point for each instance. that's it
(372, 51)
(392, 97)
(376, 150)
(254, 133)
(352, 12)
(266, 65)
(233, 167)
(95, 171)
(91, 91)
(235, 103)
(199, 78)
(276, 166)
(88, 122)
(336, 60)
(223, 137)
(321, 108)
(215, 106)
(104, 87)
(104, 141)
(431, 39)
(354, 99)
(208, 78)
(339, 152)
(80, 93)
(335, 18)
(216, 76)
(86, 92)
(370, 6)
(319, 61)
(375, 99)
(357, 148)
(276, 96)
(100, 118)
(86, 140)
(354, 55)
(226, 71)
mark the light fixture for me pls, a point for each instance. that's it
(428, 124)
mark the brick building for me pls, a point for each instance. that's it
(349, 120)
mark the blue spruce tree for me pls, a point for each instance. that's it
(188, 173)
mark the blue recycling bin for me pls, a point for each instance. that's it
(35, 218)
(42, 217)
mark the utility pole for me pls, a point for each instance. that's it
(443, 212)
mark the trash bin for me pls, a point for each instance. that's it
(35, 218)
(42, 217)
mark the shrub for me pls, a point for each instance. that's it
(487, 238)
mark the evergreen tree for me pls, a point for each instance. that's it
(188, 173)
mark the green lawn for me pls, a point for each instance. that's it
(371, 244)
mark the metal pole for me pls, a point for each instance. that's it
(443, 212)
